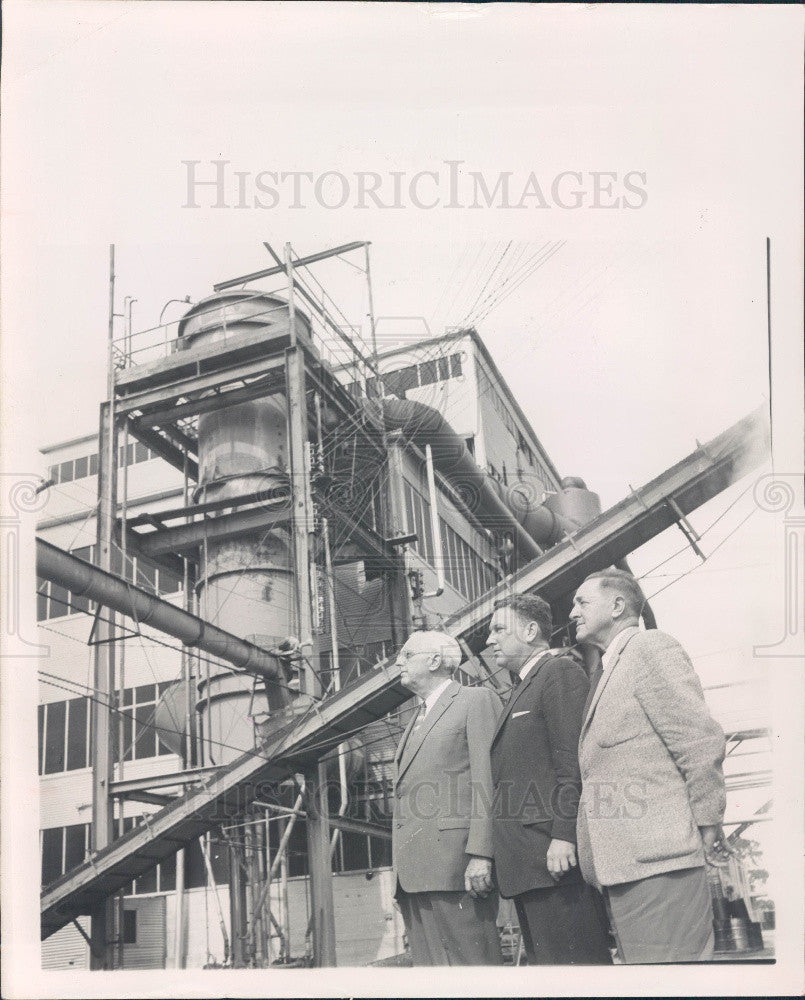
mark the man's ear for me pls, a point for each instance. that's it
(435, 661)
(618, 606)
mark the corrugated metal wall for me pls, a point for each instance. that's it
(149, 952)
(66, 949)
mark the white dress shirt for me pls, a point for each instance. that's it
(527, 667)
(433, 697)
(609, 652)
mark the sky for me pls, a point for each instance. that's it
(643, 331)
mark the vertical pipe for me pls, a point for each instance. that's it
(249, 915)
(187, 660)
(285, 916)
(267, 886)
(178, 926)
(104, 659)
(343, 748)
(291, 302)
(235, 905)
(371, 306)
(321, 869)
(206, 748)
(768, 334)
(121, 686)
(399, 598)
(435, 528)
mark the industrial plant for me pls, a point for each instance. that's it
(272, 503)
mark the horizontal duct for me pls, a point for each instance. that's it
(95, 584)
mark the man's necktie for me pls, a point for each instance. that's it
(515, 683)
(595, 679)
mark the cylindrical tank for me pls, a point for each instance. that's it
(245, 584)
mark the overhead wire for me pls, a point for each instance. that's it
(490, 276)
(514, 275)
(503, 295)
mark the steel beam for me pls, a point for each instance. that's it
(172, 454)
(267, 272)
(184, 537)
(324, 315)
(267, 386)
(166, 396)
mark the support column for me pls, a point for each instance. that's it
(301, 512)
(102, 922)
(237, 904)
(321, 869)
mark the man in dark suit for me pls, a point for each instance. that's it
(441, 831)
(535, 774)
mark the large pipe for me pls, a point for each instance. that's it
(425, 425)
(95, 584)
(517, 510)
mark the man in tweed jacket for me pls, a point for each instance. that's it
(653, 793)
(442, 828)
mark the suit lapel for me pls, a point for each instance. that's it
(414, 740)
(406, 734)
(623, 642)
(520, 690)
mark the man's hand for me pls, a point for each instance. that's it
(478, 877)
(561, 857)
(716, 849)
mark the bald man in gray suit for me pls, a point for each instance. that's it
(442, 831)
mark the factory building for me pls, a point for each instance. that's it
(454, 375)
(268, 510)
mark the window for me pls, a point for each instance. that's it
(129, 927)
(398, 381)
(75, 845)
(54, 601)
(77, 733)
(428, 372)
(418, 514)
(64, 735)
(62, 849)
(464, 569)
(42, 593)
(55, 734)
(138, 710)
(87, 465)
(52, 855)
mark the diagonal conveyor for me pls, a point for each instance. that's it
(614, 534)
